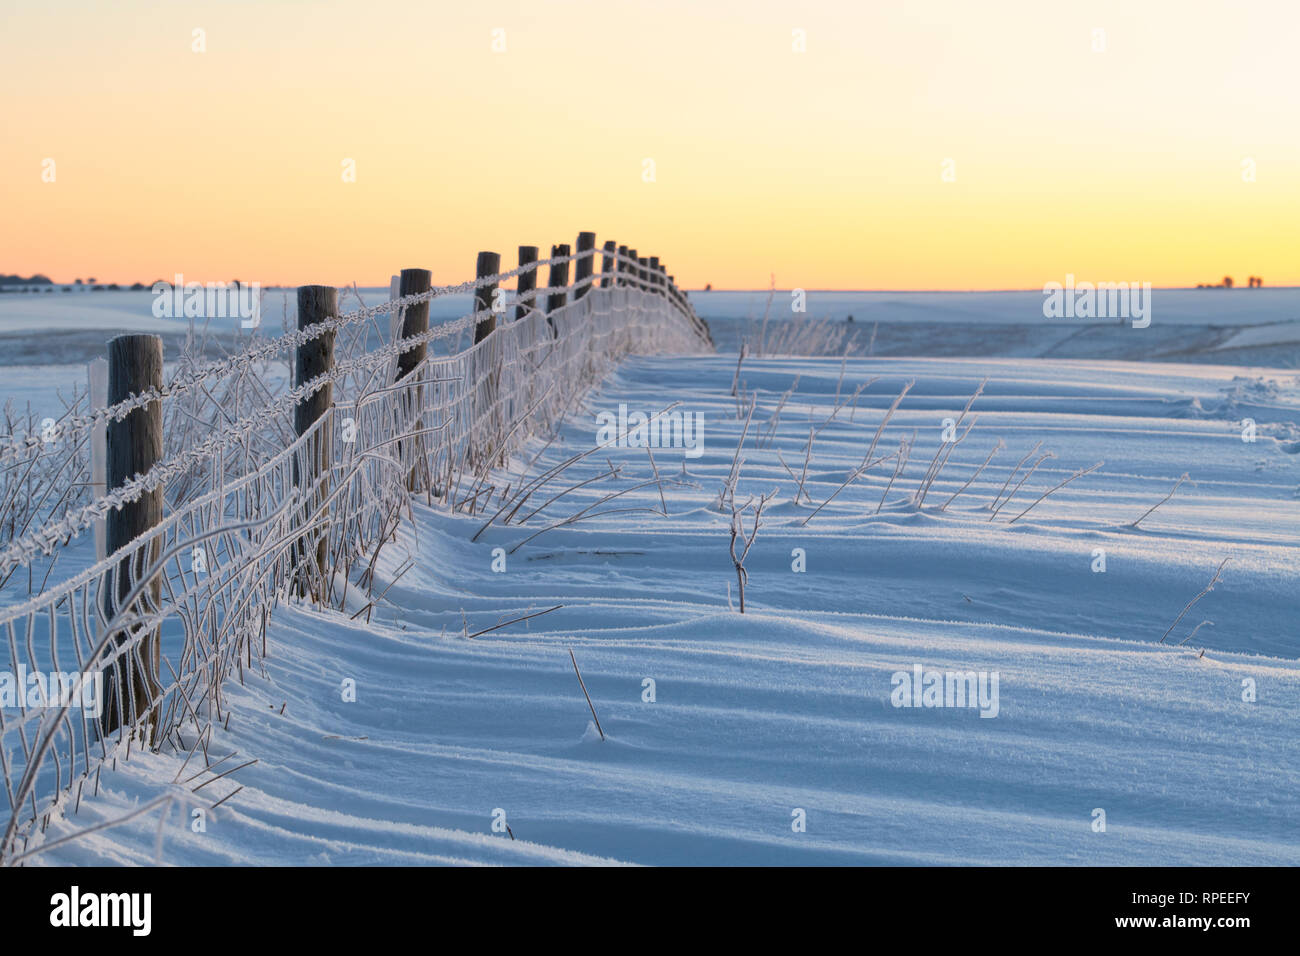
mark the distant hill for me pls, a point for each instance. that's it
(19, 280)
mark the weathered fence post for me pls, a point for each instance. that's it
(410, 322)
(415, 319)
(584, 264)
(487, 361)
(676, 293)
(132, 447)
(558, 280)
(488, 264)
(315, 357)
(527, 281)
(607, 254)
(643, 273)
(620, 271)
(653, 262)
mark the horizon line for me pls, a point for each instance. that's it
(125, 287)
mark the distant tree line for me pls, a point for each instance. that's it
(1253, 282)
(40, 283)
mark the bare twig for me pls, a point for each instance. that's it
(1193, 634)
(996, 448)
(993, 505)
(1161, 501)
(904, 452)
(1020, 484)
(738, 534)
(583, 684)
(735, 381)
(526, 617)
(1208, 588)
(852, 476)
(1078, 474)
(885, 421)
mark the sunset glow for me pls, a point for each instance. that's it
(824, 168)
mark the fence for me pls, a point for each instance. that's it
(270, 495)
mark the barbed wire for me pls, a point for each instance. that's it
(14, 446)
(453, 415)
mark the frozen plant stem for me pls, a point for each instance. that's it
(938, 463)
(1077, 474)
(497, 627)
(583, 684)
(996, 448)
(851, 398)
(729, 485)
(904, 452)
(1014, 491)
(885, 421)
(735, 381)
(803, 475)
(775, 420)
(1208, 588)
(1193, 634)
(577, 516)
(655, 468)
(738, 535)
(945, 448)
(1161, 501)
(993, 505)
(853, 476)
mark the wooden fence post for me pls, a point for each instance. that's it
(527, 282)
(415, 320)
(643, 272)
(558, 280)
(488, 264)
(132, 447)
(607, 254)
(315, 357)
(632, 273)
(620, 271)
(674, 294)
(487, 361)
(584, 264)
(653, 262)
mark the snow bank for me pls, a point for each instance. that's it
(747, 720)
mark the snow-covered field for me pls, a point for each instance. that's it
(755, 722)
(46, 339)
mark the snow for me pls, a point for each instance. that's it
(45, 340)
(1275, 333)
(133, 311)
(788, 706)
(1170, 306)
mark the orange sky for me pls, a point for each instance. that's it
(823, 167)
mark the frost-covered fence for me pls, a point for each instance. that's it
(246, 480)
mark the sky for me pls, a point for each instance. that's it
(819, 145)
